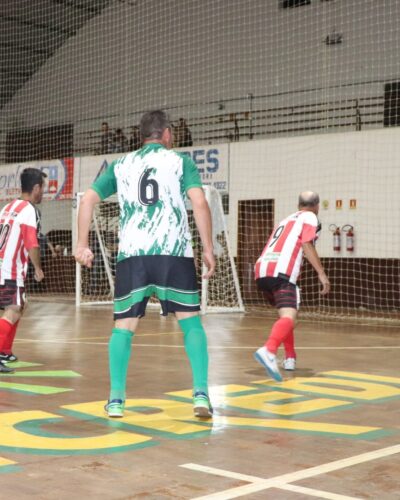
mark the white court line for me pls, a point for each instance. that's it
(210, 347)
(316, 493)
(224, 473)
(291, 477)
(137, 335)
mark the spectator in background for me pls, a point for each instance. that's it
(107, 139)
(236, 131)
(120, 141)
(175, 135)
(135, 140)
(59, 241)
(229, 135)
(183, 134)
(47, 248)
(233, 136)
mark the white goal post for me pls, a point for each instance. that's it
(95, 286)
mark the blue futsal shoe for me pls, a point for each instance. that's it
(268, 361)
(115, 408)
(201, 405)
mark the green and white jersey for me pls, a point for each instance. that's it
(151, 184)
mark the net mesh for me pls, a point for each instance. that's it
(57, 260)
(96, 283)
(269, 98)
(219, 294)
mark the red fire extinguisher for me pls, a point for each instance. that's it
(336, 237)
(349, 229)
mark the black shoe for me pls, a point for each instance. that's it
(8, 358)
(5, 369)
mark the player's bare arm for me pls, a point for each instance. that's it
(202, 216)
(34, 255)
(83, 254)
(313, 258)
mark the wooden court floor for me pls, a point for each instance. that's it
(330, 430)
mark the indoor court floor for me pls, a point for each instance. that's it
(330, 430)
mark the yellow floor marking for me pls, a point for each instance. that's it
(4, 462)
(13, 437)
(163, 415)
(343, 388)
(364, 376)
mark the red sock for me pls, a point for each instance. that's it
(5, 330)
(279, 332)
(8, 343)
(289, 346)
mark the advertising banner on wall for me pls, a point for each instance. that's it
(59, 182)
(212, 162)
(90, 168)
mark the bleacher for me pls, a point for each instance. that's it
(228, 125)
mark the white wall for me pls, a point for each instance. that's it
(364, 166)
(56, 214)
(174, 52)
(359, 165)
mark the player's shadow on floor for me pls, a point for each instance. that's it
(287, 375)
(300, 372)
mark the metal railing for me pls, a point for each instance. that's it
(283, 121)
(247, 119)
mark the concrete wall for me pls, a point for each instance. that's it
(360, 165)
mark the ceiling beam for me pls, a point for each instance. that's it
(90, 10)
(47, 27)
(24, 48)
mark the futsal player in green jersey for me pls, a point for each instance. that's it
(155, 254)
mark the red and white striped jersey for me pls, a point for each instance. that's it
(18, 234)
(283, 253)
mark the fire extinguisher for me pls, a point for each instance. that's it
(336, 237)
(349, 230)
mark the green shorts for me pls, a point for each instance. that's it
(171, 279)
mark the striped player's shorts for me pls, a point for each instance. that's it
(280, 292)
(11, 294)
(171, 279)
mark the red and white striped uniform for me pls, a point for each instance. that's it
(283, 253)
(18, 234)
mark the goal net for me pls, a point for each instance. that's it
(56, 252)
(220, 293)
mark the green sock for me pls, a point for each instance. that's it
(196, 348)
(119, 352)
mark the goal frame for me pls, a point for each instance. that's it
(205, 307)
